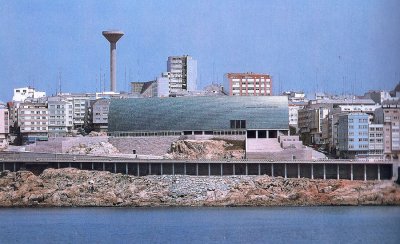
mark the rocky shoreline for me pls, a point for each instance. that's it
(80, 188)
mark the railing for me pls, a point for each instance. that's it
(27, 157)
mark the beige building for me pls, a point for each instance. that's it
(376, 146)
(248, 84)
(310, 122)
(33, 119)
(100, 110)
(391, 129)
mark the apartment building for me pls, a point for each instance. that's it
(376, 140)
(248, 84)
(310, 122)
(4, 123)
(100, 110)
(329, 133)
(23, 93)
(80, 106)
(353, 135)
(182, 73)
(60, 116)
(154, 88)
(33, 119)
(391, 128)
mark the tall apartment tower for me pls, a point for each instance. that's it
(182, 72)
(4, 123)
(248, 84)
(391, 129)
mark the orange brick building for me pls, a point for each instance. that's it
(248, 84)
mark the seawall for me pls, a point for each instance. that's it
(73, 187)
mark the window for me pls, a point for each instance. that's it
(238, 124)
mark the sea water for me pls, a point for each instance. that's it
(379, 224)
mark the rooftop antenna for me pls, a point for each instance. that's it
(130, 80)
(100, 80)
(59, 82)
(316, 79)
(96, 83)
(138, 69)
(280, 83)
(213, 77)
(104, 82)
(125, 83)
(113, 37)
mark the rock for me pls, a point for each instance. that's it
(4, 173)
(73, 187)
(100, 148)
(204, 149)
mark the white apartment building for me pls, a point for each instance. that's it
(294, 108)
(80, 106)
(60, 116)
(33, 119)
(163, 85)
(4, 123)
(182, 73)
(376, 140)
(21, 94)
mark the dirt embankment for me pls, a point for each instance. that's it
(206, 149)
(73, 187)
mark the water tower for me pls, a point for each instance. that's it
(113, 37)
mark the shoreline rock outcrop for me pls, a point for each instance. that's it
(71, 187)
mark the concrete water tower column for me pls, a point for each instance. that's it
(113, 37)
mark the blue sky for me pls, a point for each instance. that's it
(333, 46)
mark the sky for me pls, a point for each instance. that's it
(348, 46)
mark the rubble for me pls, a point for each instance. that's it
(100, 148)
(204, 149)
(80, 188)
